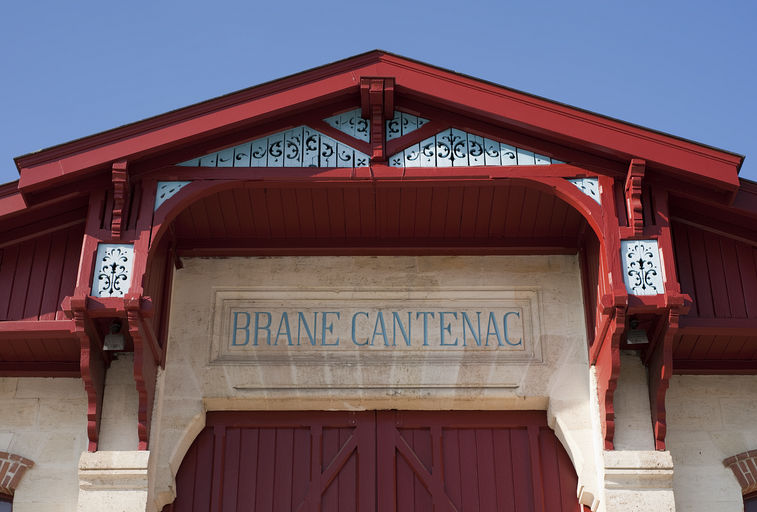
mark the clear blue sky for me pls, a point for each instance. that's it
(71, 69)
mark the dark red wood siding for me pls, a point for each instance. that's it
(719, 273)
(377, 461)
(36, 274)
(412, 215)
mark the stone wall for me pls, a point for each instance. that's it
(710, 418)
(44, 420)
(551, 374)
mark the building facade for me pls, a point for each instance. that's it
(378, 285)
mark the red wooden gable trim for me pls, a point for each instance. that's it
(513, 109)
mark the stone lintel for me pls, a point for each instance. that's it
(113, 471)
(626, 469)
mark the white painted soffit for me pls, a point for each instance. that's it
(298, 147)
(456, 148)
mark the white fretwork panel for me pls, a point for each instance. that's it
(402, 124)
(589, 186)
(113, 267)
(166, 190)
(350, 123)
(642, 272)
(298, 147)
(456, 148)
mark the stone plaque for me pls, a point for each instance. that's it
(375, 326)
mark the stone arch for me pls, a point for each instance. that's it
(577, 439)
(12, 469)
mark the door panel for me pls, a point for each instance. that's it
(376, 461)
(471, 461)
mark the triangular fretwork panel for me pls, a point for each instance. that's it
(298, 147)
(402, 124)
(458, 148)
(350, 123)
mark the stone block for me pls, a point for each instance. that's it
(52, 388)
(62, 415)
(8, 387)
(16, 413)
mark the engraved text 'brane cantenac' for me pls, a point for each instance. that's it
(354, 327)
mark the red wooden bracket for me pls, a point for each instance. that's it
(145, 366)
(92, 366)
(660, 364)
(377, 103)
(633, 195)
(120, 178)
(605, 356)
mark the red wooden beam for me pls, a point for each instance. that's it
(39, 369)
(714, 367)
(120, 177)
(633, 195)
(318, 246)
(37, 329)
(377, 105)
(697, 326)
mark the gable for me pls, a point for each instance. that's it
(590, 138)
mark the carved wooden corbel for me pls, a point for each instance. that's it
(120, 179)
(605, 356)
(633, 195)
(377, 103)
(146, 360)
(91, 364)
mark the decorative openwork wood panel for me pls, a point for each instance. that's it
(298, 147)
(453, 148)
(366, 214)
(376, 461)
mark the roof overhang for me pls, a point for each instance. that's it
(415, 81)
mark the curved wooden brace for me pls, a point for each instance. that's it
(145, 368)
(92, 367)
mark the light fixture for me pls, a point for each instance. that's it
(634, 335)
(115, 340)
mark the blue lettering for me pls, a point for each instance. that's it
(477, 333)
(329, 327)
(504, 322)
(425, 314)
(380, 320)
(302, 321)
(405, 334)
(446, 328)
(237, 328)
(493, 322)
(354, 317)
(284, 321)
(266, 327)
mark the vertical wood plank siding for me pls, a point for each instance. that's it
(377, 461)
(36, 274)
(719, 273)
(417, 212)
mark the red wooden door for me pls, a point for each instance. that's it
(282, 461)
(472, 461)
(376, 461)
